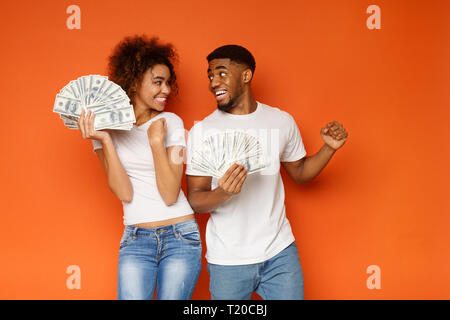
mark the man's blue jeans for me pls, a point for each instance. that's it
(168, 258)
(280, 277)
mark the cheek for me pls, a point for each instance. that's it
(149, 92)
(237, 89)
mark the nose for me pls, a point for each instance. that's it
(165, 89)
(214, 83)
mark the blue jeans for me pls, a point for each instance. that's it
(168, 258)
(280, 277)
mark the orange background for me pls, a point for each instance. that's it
(383, 199)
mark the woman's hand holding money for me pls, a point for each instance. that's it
(86, 125)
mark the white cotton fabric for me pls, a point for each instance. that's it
(251, 227)
(133, 149)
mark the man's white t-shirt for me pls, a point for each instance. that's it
(135, 154)
(251, 227)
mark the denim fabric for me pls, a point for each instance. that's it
(168, 258)
(280, 277)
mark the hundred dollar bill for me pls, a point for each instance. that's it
(95, 93)
(113, 118)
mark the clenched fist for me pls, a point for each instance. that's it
(334, 135)
(157, 131)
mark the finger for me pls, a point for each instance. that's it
(330, 124)
(229, 171)
(85, 125)
(335, 128)
(340, 130)
(87, 131)
(91, 123)
(80, 119)
(342, 135)
(226, 175)
(81, 124)
(232, 176)
(239, 181)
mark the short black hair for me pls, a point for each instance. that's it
(235, 53)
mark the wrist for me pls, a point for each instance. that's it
(106, 138)
(222, 193)
(329, 149)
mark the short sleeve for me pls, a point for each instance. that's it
(294, 149)
(175, 131)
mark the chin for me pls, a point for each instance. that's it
(226, 106)
(158, 108)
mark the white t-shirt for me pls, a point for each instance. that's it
(135, 153)
(251, 227)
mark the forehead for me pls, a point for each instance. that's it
(221, 64)
(159, 70)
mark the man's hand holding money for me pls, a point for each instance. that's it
(233, 179)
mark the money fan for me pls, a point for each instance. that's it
(218, 152)
(106, 99)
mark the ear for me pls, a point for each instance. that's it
(247, 75)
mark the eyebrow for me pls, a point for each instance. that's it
(217, 68)
(159, 78)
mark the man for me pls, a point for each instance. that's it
(250, 245)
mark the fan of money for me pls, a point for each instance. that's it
(218, 152)
(106, 99)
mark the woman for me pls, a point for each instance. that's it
(160, 246)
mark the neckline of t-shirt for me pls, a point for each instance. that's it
(244, 116)
(148, 121)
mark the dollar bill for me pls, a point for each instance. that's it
(218, 152)
(95, 93)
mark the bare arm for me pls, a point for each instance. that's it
(168, 163)
(301, 171)
(202, 199)
(118, 180)
(306, 169)
(168, 170)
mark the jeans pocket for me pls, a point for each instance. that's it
(126, 238)
(190, 236)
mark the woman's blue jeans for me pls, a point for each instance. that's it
(168, 258)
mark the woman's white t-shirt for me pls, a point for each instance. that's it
(134, 151)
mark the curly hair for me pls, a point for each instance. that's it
(134, 55)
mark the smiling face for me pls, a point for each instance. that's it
(155, 88)
(225, 82)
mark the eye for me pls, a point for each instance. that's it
(210, 78)
(158, 83)
(222, 74)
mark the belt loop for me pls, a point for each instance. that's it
(174, 229)
(134, 232)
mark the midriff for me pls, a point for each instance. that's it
(163, 223)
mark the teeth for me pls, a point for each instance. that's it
(218, 93)
(161, 99)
